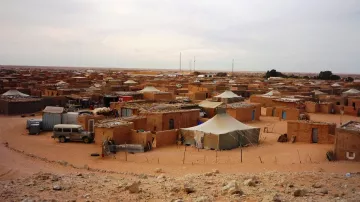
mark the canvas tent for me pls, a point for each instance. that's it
(14, 93)
(352, 91)
(335, 85)
(317, 92)
(228, 97)
(149, 89)
(272, 93)
(130, 82)
(221, 132)
(227, 94)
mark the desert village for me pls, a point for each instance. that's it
(175, 121)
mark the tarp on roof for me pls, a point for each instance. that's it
(53, 110)
(227, 94)
(272, 93)
(149, 89)
(220, 124)
(130, 82)
(15, 93)
(209, 104)
(352, 91)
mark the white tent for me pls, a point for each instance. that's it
(15, 93)
(221, 132)
(335, 85)
(149, 89)
(272, 93)
(227, 94)
(61, 83)
(130, 82)
(317, 92)
(352, 91)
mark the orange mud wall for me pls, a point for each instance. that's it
(303, 132)
(165, 138)
(347, 145)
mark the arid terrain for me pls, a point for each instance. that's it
(35, 167)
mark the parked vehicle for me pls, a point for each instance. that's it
(33, 121)
(34, 129)
(72, 132)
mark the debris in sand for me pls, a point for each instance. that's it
(134, 187)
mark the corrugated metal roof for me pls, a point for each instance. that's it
(53, 110)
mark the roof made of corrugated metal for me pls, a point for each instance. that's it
(53, 110)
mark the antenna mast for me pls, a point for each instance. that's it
(180, 61)
(232, 67)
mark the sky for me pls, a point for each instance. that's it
(289, 36)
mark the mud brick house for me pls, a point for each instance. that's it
(201, 91)
(353, 106)
(87, 121)
(116, 130)
(244, 112)
(322, 107)
(158, 96)
(312, 132)
(347, 142)
(284, 113)
(168, 119)
(266, 100)
(287, 102)
(209, 107)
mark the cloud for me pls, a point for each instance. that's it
(289, 36)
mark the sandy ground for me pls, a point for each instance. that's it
(31, 154)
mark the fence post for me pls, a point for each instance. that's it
(241, 155)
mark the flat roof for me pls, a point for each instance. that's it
(67, 126)
(351, 125)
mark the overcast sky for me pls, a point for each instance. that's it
(297, 36)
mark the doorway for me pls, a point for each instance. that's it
(253, 115)
(314, 135)
(171, 124)
(91, 125)
(283, 115)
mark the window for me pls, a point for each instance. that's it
(337, 103)
(67, 130)
(75, 130)
(58, 129)
(126, 112)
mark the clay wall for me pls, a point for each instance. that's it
(165, 138)
(140, 137)
(347, 145)
(303, 131)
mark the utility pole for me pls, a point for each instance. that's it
(194, 63)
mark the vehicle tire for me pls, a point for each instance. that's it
(86, 140)
(62, 139)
